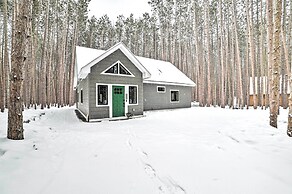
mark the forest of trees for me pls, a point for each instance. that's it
(238, 52)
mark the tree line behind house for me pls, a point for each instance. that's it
(227, 47)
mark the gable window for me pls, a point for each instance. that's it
(161, 89)
(174, 96)
(118, 69)
(133, 95)
(102, 95)
(113, 69)
(123, 70)
(81, 96)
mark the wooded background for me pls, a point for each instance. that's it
(222, 45)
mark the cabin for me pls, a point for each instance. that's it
(284, 90)
(115, 84)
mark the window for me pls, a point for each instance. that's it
(102, 95)
(119, 69)
(133, 95)
(174, 96)
(161, 89)
(113, 69)
(123, 70)
(118, 91)
(81, 96)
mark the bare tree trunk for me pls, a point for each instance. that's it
(18, 58)
(238, 58)
(6, 68)
(49, 72)
(252, 52)
(2, 95)
(269, 40)
(289, 127)
(274, 101)
(207, 34)
(72, 66)
(61, 69)
(43, 69)
(263, 79)
(33, 69)
(222, 57)
(283, 65)
(197, 63)
(247, 77)
(2, 72)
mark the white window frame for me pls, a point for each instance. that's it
(110, 97)
(178, 96)
(96, 95)
(118, 74)
(161, 87)
(128, 93)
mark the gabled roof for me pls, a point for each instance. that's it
(154, 71)
(85, 70)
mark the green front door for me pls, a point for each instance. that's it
(118, 101)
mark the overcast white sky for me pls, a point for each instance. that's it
(113, 8)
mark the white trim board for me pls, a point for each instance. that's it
(119, 63)
(110, 97)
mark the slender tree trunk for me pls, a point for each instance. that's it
(252, 52)
(222, 57)
(1, 86)
(268, 53)
(238, 59)
(289, 127)
(207, 34)
(263, 77)
(49, 72)
(2, 68)
(6, 55)
(274, 101)
(197, 64)
(43, 70)
(72, 66)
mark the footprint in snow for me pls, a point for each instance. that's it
(2, 152)
(35, 147)
(150, 170)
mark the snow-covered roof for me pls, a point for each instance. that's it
(85, 70)
(163, 72)
(154, 71)
(85, 55)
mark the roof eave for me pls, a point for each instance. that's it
(169, 83)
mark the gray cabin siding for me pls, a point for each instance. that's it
(95, 77)
(154, 100)
(83, 107)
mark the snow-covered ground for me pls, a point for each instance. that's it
(195, 150)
